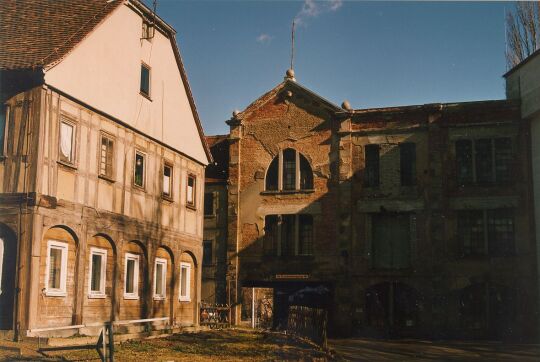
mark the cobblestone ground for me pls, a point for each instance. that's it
(418, 350)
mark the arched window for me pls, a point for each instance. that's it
(289, 171)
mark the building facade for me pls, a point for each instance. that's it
(412, 220)
(102, 167)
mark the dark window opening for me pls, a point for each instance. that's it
(484, 161)
(306, 175)
(500, 231)
(207, 252)
(145, 80)
(190, 196)
(272, 175)
(209, 203)
(471, 230)
(407, 152)
(287, 234)
(503, 160)
(371, 171)
(391, 241)
(270, 235)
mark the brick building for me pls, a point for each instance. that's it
(412, 220)
(102, 161)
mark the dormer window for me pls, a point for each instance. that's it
(145, 80)
(289, 171)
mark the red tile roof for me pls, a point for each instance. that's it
(36, 33)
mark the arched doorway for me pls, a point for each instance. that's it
(393, 308)
(187, 290)
(8, 257)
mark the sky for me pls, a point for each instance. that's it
(374, 54)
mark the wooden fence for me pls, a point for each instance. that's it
(308, 322)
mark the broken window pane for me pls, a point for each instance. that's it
(272, 175)
(306, 175)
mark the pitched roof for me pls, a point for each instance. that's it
(35, 33)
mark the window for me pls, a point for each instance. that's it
(145, 80)
(67, 142)
(56, 268)
(407, 152)
(97, 272)
(296, 173)
(288, 235)
(167, 180)
(207, 252)
(391, 240)
(190, 195)
(147, 30)
(209, 203)
(131, 276)
(185, 274)
(139, 169)
(1, 262)
(484, 161)
(371, 171)
(4, 117)
(485, 232)
(160, 278)
(106, 157)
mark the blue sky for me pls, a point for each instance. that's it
(372, 53)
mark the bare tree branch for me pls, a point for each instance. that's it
(522, 31)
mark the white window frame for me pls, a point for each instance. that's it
(163, 279)
(143, 154)
(1, 261)
(187, 296)
(135, 294)
(68, 122)
(101, 292)
(63, 246)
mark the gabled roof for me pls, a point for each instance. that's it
(262, 100)
(35, 33)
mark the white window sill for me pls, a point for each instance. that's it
(157, 297)
(132, 297)
(51, 293)
(97, 296)
(185, 299)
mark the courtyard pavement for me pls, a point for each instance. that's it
(362, 349)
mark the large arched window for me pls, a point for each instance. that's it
(289, 171)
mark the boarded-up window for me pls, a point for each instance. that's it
(106, 157)
(371, 171)
(67, 139)
(407, 153)
(391, 241)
